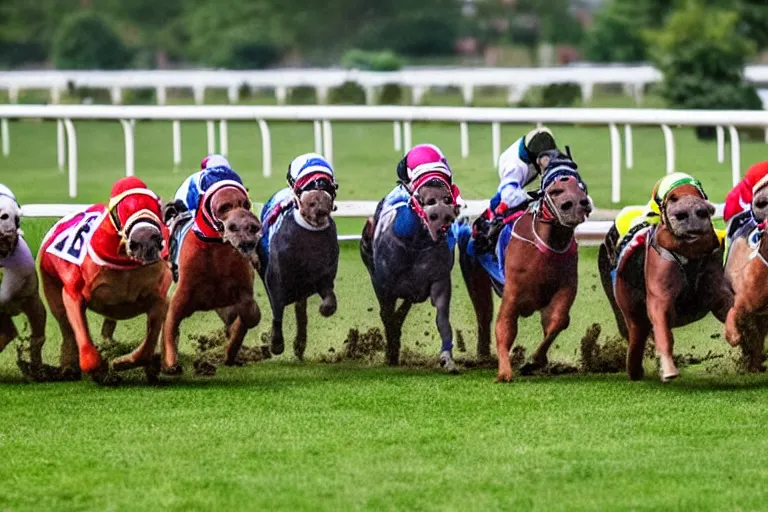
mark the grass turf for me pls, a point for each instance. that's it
(316, 436)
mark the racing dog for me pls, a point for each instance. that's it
(19, 288)
(216, 253)
(108, 259)
(746, 271)
(407, 247)
(662, 268)
(299, 251)
(535, 268)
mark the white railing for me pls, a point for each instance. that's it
(402, 118)
(589, 233)
(515, 80)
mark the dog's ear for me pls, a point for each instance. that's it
(402, 170)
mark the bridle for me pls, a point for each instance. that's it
(212, 227)
(556, 170)
(143, 216)
(430, 176)
(314, 181)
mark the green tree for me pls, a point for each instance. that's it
(618, 31)
(702, 56)
(86, 41)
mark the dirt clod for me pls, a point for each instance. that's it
(365, 347)
(608, 357)
(211, 352)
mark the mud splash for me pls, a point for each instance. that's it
(210, 352)
(359, 346)
(607, 357)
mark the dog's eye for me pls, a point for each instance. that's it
(247, 205)
(447, 200)
(4, 216)
(233, 227)
(761, 203)
(312, 204)
(431, 201)
(225, 208)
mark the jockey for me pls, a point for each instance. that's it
(519, 165)
(739, 199)
(422, 163)
(213, 168)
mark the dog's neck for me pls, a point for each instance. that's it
(302, 222)
(692, 250)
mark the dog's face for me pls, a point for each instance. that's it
(10, 220)
(688, 214)
(241, 228)
(570, 200)
(144, 243)
(437, 202)
(315, 206)
(760, 204)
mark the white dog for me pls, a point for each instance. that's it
(19, 286)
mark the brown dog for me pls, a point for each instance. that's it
(108, 259)
(216, 259)
(746, 271)
(674, 278)
(540, 264)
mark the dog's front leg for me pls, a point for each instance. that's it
(36, 315)
(178, 310)
(142, 356)
(90, 359)
(440, 294)
(664, 283)
(277, 342)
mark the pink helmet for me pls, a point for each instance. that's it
(421, 159)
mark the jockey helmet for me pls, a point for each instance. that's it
(5, 191)
(214, 161)
(757, 176)
(421, 159)
(665, 185)
(538, 141)
(311, 170)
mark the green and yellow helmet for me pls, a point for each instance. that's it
(667, 184)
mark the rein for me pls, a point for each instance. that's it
(761, 238)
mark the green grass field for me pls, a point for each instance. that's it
(288, 435)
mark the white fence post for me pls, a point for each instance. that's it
(720, 144)
(464, 128)
(318, 128)
(72, 153)
(327, 141)
(397, 134)
(223, 137)
(211, 136)
(5, 135)
(407, 139)
(61, 150)
(615, 163)
(266, 148)
(176, 143)
(735, 155)
(669, 143)
(629, 154)
(496, 142)
(129, 147)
